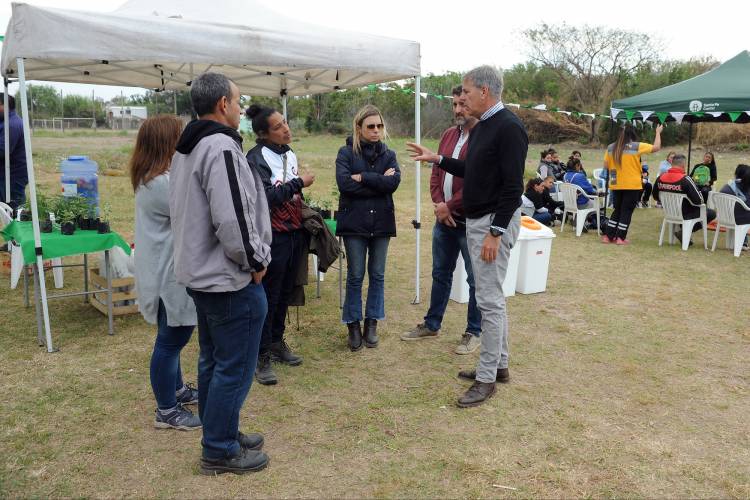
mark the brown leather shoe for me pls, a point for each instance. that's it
(478, 393)
(503, 375)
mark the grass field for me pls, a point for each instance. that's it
(629, 377)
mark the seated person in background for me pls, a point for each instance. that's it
(577, 156)
(704, 174)
(666, 164)
(647, 187)
(556, 163)
(577, 177)
(544, 205)
(675, 181)
(740, 187)
(549, 187)
(548, 167)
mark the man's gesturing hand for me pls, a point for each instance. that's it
(421, 153)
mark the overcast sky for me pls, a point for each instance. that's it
(459, 35)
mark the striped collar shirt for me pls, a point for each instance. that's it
(494, 109)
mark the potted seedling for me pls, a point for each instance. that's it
(67, 223)
(105, 218)
(325, 209)
(43, 209)
(334, 200)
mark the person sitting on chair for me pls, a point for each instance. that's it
(740, 187)
(676, 181)
(544, 205)
(577, 177)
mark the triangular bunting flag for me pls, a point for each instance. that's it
(517, 106)
(715, 114)
(592, 115)
(541, 107)
(372, 87)
(646, 114)
(568, 113)
(629, 114)
(733, 115)
(423, 95)
(678, 116)
(662, 116)
(613, 112)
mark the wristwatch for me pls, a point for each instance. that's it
(495, 231)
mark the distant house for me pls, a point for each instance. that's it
(127, 117)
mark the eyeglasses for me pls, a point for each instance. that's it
(371, 126)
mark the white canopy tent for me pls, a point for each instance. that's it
(164, 44)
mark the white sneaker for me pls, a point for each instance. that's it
(469, 343)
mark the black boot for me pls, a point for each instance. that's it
(355, 336)
(280, 352)
(263, 372)
(371, 334)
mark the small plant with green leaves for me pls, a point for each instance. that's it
(104, 221)
(67, 222)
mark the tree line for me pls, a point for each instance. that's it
(576, 68)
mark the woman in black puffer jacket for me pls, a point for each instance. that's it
(367, 174)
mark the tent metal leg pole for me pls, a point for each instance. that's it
(32, 198)
(6, 133)
(37, 309)
(417, 168)
(690, 145)
(108, 271)
(283, 105)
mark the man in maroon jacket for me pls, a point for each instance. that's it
(449, 237)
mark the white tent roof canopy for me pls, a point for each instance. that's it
(163, 44)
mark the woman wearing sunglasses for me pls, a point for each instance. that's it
(367, 174)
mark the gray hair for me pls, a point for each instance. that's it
(207, 89)
(487, 76)
(678, 159)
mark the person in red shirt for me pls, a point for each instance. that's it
(449, 236)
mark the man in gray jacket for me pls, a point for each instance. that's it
(222, 238)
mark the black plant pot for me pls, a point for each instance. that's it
(25, 216)
(68, 228)
(326, 214)
(46, 226)
(103, 227)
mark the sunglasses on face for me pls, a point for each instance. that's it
(371, 126)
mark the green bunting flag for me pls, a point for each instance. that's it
(733, 115)
(629, 114)
(662, 116)
(372, 87)
(698, 114)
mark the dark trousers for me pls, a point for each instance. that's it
(17, 189)
(166, 374)
(447, 243)
(624, 201)
(229, 326)
(646, 192)
(287, 251)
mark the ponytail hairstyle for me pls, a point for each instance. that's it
(154, 146)
(367, 111)
(259, 116)
(627, 134)
(573, 164)
(531, 183)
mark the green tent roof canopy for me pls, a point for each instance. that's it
(719, 95)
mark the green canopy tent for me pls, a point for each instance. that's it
(719, 95)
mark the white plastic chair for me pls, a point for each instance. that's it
(672, 204)
(570, 199)
(725, 205)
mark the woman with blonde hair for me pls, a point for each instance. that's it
(161, 300)
(367, 174)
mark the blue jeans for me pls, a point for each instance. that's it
(357, 248)
(543, 217)
(447, 242)
(229, 329)
(166, 375)
(17, 188)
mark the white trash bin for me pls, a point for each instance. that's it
(460, 288)
(534, 249)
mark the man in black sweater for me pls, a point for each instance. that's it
(493, 184)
